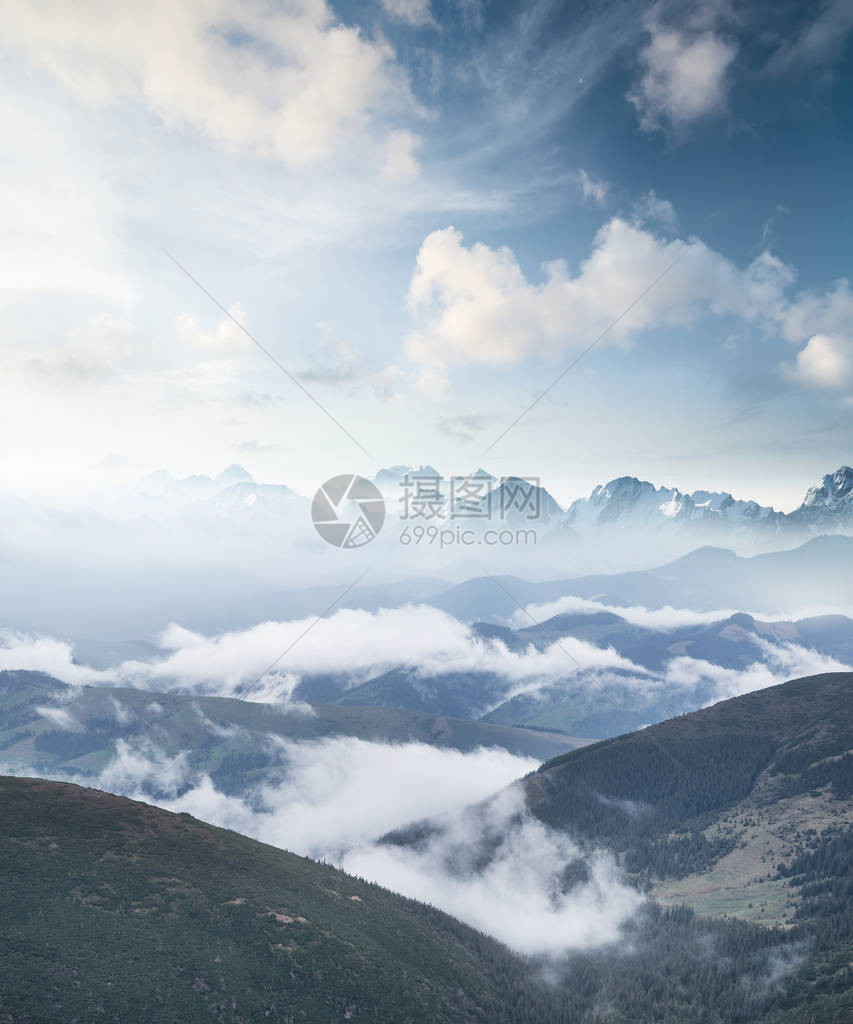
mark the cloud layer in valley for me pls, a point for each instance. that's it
(267, 662)
(334, 798)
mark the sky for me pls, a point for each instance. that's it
(423, 213)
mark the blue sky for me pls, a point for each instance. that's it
(426, 211)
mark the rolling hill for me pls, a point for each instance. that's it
(661, 685)
(737, 820)
(741, 812)
(49, 727)
(115, 910)
(817, 573)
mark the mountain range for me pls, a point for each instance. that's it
(735, 821)
(649, 673)
(219, 553)
(741, 812)
(627, 503)
(52, 728)
(618, 670)
(815, 574)
(623, 503)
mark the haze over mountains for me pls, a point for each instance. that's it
(390, 736)
(742, 811)
(625, 502)
(225, 552)
(426, 512)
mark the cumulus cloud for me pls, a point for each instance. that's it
(816, 312)
(683, 77)
(475, 303)
(281, 81)
(826, 362)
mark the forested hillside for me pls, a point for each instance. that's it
(676, 796)
(115, 910)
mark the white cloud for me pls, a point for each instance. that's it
(415, 12)
(389, 384)
(190, 358)
(595, 191)
(45, 654)
(338, 794)
(650, 208)
(353, 644)
(141, 765)
(336, 797)
(101, 348)
(683, 78)
(813, 312)
(61, 718)
(516, 896)
(826, 362)
(476, 305)
(433, 381)
(781, 662)
(649, 618)
(283, 82)
(358, 644)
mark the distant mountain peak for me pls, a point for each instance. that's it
(835, 487)
(829, 506)
(233, 474)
